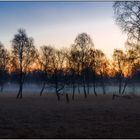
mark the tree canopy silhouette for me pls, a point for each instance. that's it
(83, 44)
(23, 55)
(4, 61)
(127, 15)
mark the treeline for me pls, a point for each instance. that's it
(79, 65)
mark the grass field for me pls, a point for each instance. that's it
(45, 117)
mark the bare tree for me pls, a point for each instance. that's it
(133, 65)
(22, 56)
(102, 67)
(58, 60)
(74, 71)
(92, 66)
(4, 61)
(45, 61)
(83, 43)
(119, 63)
(127, 15)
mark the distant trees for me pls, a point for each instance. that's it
(79, 66)
(76, 66)
(23, 54)
(4, 61)
(52, 63)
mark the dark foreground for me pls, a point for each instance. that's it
(45, 117)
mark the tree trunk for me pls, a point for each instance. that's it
(103, 86)
(102, 82)
(42, 88)
(73, 92)
(88, 87)
(125, 85)
(120, 85)
(94, 89)
(84, 87)
(57, 93)
(94, 85)
(19, 95)
(78, 88)
(73, 85)
(78, 78)
(124, 88)
(56, 85)
(85, 91)
(1, 90)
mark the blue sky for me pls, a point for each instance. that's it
(58, 23)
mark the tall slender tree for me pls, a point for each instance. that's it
(45, 62)
(58, 60)
(83, 44)
(22, 56)
(102, 67)
(120, 62)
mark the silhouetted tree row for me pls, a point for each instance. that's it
(80, 65)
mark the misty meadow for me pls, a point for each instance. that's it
(78, 90)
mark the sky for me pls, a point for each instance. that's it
(58, 23)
